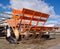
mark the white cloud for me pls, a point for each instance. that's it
(4, 16)
(5, 7)
(37, 5)
(50, 25)
(32, 4)
(51, 22)
(1, 5)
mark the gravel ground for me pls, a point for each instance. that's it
(53, 43)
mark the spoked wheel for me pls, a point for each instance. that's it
(10, 36)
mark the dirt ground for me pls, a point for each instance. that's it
(53, 43)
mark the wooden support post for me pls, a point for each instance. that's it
(31, 20)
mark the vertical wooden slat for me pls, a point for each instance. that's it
(31, 21)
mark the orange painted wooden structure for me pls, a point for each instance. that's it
(30, 15)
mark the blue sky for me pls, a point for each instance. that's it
(56, 4)
(47, 6)
(4, 4)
